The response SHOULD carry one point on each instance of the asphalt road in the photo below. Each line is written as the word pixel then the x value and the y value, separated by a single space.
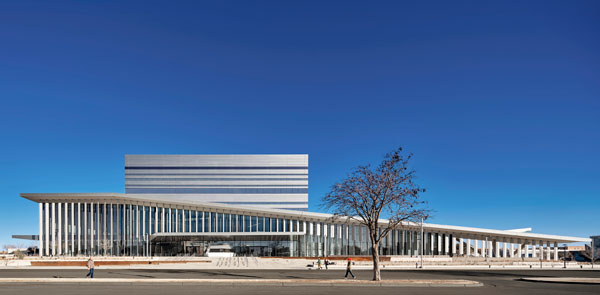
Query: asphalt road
pixel 495 282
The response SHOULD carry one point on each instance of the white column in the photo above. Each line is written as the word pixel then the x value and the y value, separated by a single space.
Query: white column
pixel 548 251
pixel 72 229
pixel 483 248
pixel 453 245
pixel 497 248
pixel 191 217
pixel 183 220
pixel 177 220
pixel 156 219
pixel 555 251
pixel 132 229
pixel 119 232
pixel 112 230
pixel 533 249
pixel 446 244
pixel 489 248
pixel 512 249
pixel 143 221
pixel 137 223
pixel 468 247
pixel 92 231
pixel 461 246
pixel 78 228
pixel 198 221
pixel 66 228
pixel 475 247
pixel 504 249
pixel 162 220
pixel 85 229
pixel 98 226
pixel 519 249
pixel 41 229
pixel 53 229
pixel 170 219
pixel 325 239
pixel 59 223
pixel 47 228
pixel 104 230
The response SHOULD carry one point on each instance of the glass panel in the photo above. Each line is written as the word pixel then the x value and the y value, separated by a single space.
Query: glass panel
pixel 206 220
pixel 233 223
pixel 261 224
pixel 227 220
pixel 254 225
pixel 246 223
pixel 220 222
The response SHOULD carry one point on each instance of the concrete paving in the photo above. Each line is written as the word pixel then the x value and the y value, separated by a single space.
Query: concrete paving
pixel 250 282
pixel 494 282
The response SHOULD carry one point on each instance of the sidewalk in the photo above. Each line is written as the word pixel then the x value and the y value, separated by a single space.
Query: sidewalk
pixel 247 282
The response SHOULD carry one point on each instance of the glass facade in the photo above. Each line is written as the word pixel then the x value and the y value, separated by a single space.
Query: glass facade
pixel 140 230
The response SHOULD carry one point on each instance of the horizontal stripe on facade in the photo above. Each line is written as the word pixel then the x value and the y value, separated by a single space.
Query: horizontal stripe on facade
pixel 132 174
pixel 212 179
pixel 217 190
pixel 266 203
pixel 213 167
pixel 213 185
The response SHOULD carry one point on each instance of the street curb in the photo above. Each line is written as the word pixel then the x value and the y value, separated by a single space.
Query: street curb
pixel 582 281
pixel 245 282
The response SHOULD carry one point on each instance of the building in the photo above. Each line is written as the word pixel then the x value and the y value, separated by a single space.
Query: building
pixel 595 248
pixel 267 181
pixel 160 216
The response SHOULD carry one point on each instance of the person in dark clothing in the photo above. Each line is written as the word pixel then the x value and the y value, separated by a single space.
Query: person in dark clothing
pixel 349 269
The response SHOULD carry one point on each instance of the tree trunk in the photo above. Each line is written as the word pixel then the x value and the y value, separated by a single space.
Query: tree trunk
pixel 375 254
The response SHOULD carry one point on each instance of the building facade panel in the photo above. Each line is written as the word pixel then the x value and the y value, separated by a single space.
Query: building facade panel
pixel 260 180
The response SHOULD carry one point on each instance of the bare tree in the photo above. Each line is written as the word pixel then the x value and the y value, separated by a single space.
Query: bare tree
pixel 386 191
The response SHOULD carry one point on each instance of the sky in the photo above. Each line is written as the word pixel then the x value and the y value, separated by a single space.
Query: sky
pixel 499 101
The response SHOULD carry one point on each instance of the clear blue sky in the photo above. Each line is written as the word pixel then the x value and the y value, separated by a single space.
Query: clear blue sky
pixel 498 100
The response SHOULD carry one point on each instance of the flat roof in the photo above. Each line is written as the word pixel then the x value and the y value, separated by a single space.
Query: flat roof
pixel 188 202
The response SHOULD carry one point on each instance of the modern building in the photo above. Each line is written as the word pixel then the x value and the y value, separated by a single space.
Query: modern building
pixel 595 248
pixel 163 213
pixel 267 181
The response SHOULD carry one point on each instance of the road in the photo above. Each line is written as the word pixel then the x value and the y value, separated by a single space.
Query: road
pixel 495 282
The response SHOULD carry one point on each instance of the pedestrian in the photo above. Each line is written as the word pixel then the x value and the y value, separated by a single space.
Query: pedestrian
pixel 349 269
pixel 319 266
pixel 90 266
pixel 326 264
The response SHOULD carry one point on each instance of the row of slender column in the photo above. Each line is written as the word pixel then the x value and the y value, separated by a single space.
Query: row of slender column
pixel 123 229
pixel 505 248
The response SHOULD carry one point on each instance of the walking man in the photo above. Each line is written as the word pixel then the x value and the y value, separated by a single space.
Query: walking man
pixel 349 269
pixel 90 266
pixel 319 267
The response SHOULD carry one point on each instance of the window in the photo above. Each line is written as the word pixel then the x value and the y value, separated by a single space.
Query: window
pixel 261 227
pixel 246 223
